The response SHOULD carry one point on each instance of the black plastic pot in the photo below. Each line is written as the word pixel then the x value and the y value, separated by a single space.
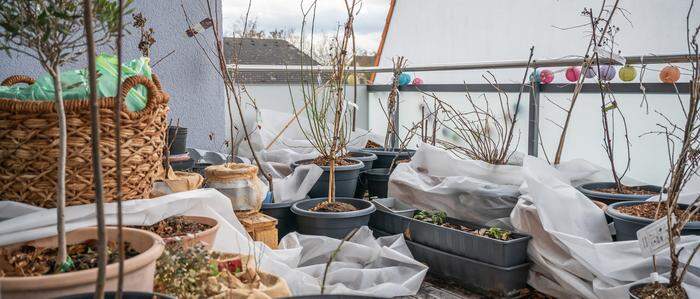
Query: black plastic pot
pixel 177 140
pixel 610 198
pixel 484 278
pixel 626 226
pixel 334 225
pixel 378 182
pixel 346 177
pixel 495 252
pixel 368 160
pixel 385 157
pixel 182 165
pixel 282 211
pixel 125 295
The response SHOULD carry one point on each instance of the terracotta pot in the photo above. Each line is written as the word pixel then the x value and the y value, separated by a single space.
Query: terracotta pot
pixel 139 270
pixel 207 236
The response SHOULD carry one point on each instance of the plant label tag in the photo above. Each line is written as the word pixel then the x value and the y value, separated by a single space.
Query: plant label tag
pixel 653 238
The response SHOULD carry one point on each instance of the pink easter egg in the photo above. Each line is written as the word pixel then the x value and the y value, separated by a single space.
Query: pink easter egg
pixel 573 73
pixel 417 81
pixel 546 76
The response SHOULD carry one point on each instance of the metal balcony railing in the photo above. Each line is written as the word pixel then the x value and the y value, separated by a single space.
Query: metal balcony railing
pixel 534 89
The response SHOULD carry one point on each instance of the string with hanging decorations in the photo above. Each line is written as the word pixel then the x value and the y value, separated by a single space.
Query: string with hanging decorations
pixel 669 74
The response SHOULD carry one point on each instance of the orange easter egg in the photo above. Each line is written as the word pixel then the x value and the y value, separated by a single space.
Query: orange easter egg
pixel 670 74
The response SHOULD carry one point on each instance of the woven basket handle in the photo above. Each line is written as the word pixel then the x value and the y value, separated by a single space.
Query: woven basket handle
pixel 12 80
pixel 153 92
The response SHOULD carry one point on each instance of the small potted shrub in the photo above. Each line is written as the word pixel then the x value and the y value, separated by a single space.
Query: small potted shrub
pixel 679 219
pixel 334 212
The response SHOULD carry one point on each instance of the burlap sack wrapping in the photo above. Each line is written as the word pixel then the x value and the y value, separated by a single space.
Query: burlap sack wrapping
pixel 239 182
pixel 261 286
pixel 177 181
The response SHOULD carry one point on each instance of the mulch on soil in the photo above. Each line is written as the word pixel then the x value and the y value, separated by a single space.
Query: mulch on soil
pixel 175 227
pixel 333 207
pixel 34 261
pixel 648 210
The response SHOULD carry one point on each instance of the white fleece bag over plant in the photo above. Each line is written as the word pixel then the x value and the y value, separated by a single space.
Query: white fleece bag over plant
pixel 470 190
pixel 571 249
pixel 364 265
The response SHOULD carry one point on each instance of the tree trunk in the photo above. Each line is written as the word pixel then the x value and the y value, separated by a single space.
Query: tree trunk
pixel 61 173
pixel 118 153
pixel 96 162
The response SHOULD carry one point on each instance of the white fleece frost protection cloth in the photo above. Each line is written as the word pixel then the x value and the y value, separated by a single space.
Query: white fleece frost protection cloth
pixel 364 266
pixel 571 249
pixel 470 190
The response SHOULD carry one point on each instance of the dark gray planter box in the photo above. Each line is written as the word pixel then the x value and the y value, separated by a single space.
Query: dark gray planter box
pixel 496 252
pixel 484 278
pixel 346 177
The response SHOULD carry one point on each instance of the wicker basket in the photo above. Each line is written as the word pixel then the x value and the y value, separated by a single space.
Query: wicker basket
pixel 29 147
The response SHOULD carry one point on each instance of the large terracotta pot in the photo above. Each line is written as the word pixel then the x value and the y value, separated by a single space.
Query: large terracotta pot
pixel 207 236
pixel 139 270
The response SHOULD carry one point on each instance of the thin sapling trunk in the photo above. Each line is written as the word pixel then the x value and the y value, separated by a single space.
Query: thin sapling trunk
pixel 61 173
pixel 96 162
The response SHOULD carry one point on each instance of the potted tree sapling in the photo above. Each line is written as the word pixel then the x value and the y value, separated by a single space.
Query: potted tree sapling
pixel 599 62
pixel 55 33
pixel 674 217
pixel 391 151
pixel 334 213
pixel 631 216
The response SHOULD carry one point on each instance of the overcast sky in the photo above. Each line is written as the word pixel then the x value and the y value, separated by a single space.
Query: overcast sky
pixel 286 14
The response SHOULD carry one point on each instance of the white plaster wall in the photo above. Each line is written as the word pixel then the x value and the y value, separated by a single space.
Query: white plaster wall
pixel 196 96
pixel 455 31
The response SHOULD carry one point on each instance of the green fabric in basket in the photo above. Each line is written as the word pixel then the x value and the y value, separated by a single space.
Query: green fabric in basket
pixel 75 83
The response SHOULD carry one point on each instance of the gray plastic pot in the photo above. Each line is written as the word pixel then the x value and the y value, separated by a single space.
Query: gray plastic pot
pixel 637 286
pixel 366 158
pixel 346 177
pixel 484 278
pixel 334 225
pixel 385 157
pixel 626 226
pixel 282 211
pixel 609 198
pixel 377 182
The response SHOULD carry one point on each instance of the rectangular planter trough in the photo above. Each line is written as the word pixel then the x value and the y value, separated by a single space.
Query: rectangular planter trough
pixel 495 252
pixel 484 278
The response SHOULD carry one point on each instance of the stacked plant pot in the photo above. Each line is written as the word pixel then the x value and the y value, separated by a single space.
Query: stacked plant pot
pixel 377 178
pixel 489 266
pixel 177 148
pixel 368 160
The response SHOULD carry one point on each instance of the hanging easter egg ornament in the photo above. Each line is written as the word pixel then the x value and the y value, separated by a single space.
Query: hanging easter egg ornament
pixel 627 73
pixel 417 81
pixel 546 76
pixel 573 73
pixel 535 76
pixel 404 79
pixel 590 73
pixel 670 74
pixel 607 72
